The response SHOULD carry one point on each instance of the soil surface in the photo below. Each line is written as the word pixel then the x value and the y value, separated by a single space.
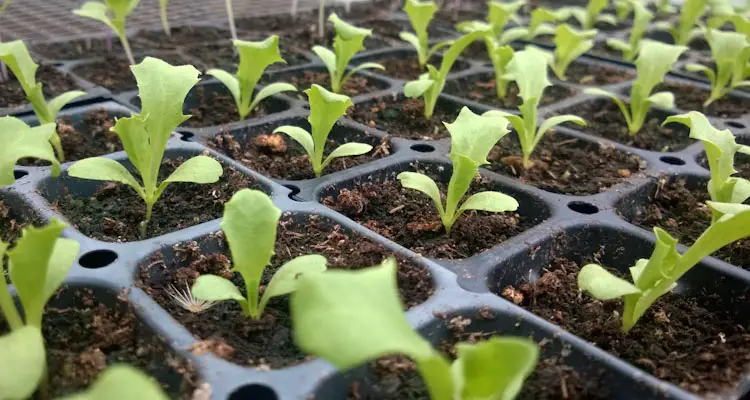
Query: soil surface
pixel 85 337
pixel 410 218
pixel 114 72
pixel 54 83
pixel 681 210
pixel 482 89
pixel 596 74
pixel 404 117
pixel 12 222
pixel 186 35
pixel 692 342
pixel 89 138
pixel 604 119
pixel 406 67
pixel 279 157
pixel 267 342
pixel 565 165
pixel 83 49
pixel 210 107
pixel 221 55
pixel 688 97
pixel 392 29
pixel 353 86
pixel 115 211
pixel 396 377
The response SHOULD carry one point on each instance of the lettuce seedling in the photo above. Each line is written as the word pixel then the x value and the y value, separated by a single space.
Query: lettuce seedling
pixel 730 52
pixel 16 56
pixel 255 57
pixel 720 147
pixel 472 138
pixel 688 26
pixel 539 25
pixel 121 9
pixel 349 41
pixel 501 57
pixel 162 90
pixel 420 14
pixel 528 69
pixel 249 225
pixel 655 60
pixel 500 14
pixel 587 17
pixel 641 18
pixel 664 7
pixel 656 276
pixel 351 317
pixel 432 83
pixel 623 8
pixel 164 17
pixel 325 109
pixel 569 45
pixel 20 141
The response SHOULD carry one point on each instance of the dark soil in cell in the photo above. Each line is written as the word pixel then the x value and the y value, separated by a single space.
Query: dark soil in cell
pixel 221 55
pixel 186 35
pixel 114 212
pixel 604 119
pixel 304 36
pixel 84 338
pixel 84 49
pixel 482 89
pixel 681 210
pixel 277 156
pixel 89 138
pixel 565 165
pixel 267 342
pixel 602 50
pixel 212 108
pixel 688 97
pixel 54 83
pixel 404 117
pixel 12 222
pixel 688 341
pixel 396 377
pixel 392 29
pixel 114 72
pixel 596 74
pixel 354 86
pixel 407 68
pixel 410 218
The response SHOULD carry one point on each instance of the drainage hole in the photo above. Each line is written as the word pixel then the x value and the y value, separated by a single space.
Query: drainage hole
pixel 295 191
pixel 186 136
pixel 735 124
pixel 97 259
pixel 422 148
pixel 18 174
pixel 253 392
pixel 583 207
pixel 672 160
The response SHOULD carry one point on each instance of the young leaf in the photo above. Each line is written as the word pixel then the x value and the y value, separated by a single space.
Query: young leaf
pixel 730 51
pixel 120 9
pixel 472 138
pixel 686 29
pixel 164 17
pixel 23 362
pixel 501 13
pixel 641 19
pixel 21 141
pixel 325 109
pixel 500 57
pixel 249 225
pixel 420 14
pixel 162 90
pixel 122 382
pixel 655 60
pixel 587 17
pixel 255 57
pixel 569 45
pixel 348 42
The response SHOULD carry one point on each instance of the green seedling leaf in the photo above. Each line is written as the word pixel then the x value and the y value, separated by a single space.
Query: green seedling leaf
pixel 23 362
pixel 21 141
pixel 641 19
pixel 602 284
pixel 249 225
pixel 685 31
pixel 420 15
pixel 730 51
pixel 348 42
pixel 144 136
pixel 472 138
pixel 325 109
pixel 664 6
pixel 500 13
pixel 589 16
pixel 569 45
pixel 255 57
pixel 113 14
pixel 500 57
pixel 163 16
pixel 122 382
pixel 655 60
pixel 351 317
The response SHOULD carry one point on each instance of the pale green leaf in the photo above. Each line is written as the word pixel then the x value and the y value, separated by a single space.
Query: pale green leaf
pixel 122 382
pixel 620 104
pixel 424 184
pixel 96 11
pixel 104 169
pixel 16 57
pixel 347 150
pixel 328 57
pixel 56 104
pixel 23 363
pixel 662 99
pixel 360 67
pixel 271 90
pixel 122 8
pixel 602 285
pixel 413 40
pixel 420 14
pixel 417 88
pixel 230 81
pixel 552 122
pixel 301 136
pixel 474 135
pixel 286 279
pixel 20 141
pixel 215 288
pixel 654 61
pixel 198 169
pixel 618 45
pixel 490 201
pixel 529 70
pixel 325 109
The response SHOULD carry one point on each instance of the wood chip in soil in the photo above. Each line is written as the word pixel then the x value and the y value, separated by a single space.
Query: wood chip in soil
pixel 681 210
pixel 693 342
pixel 397 377
pixel 266 343
pixel 278 157
pixel 604 119
pixel 688 97
pixel 410 218
pixel 96 329
pixel 482 88
pixel 354 86
pixel 404 117
pixel 596 74
pixel 565 165
pixel 114 212
pixel 53 82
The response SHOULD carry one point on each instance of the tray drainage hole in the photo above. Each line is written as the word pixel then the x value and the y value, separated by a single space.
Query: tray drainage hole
pixel 253 392
pixel 186 136
pixel 18 174
pixel 422 148
pixel 583 207
pixel 735 124
pixel 295 191
pixel 97 259
pixel 672 160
